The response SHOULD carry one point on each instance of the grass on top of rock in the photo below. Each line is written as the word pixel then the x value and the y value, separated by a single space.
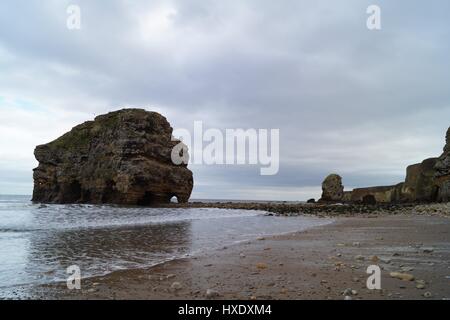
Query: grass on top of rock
pixel 81 135
pixel 77 138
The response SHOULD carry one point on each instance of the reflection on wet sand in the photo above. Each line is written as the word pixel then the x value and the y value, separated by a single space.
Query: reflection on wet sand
pixel 97 251
pixel 39 242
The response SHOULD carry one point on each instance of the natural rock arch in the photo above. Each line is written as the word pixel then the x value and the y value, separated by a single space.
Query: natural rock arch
pixel 369 199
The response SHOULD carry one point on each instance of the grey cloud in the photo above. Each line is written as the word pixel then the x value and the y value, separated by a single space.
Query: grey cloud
pixel 345 99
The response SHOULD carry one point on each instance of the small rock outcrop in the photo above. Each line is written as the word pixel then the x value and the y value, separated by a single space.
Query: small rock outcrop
pixel 123 157
pixel 442 174
pixel 332 188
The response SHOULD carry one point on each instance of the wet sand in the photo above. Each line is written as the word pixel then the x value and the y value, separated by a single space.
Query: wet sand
pixel 320 263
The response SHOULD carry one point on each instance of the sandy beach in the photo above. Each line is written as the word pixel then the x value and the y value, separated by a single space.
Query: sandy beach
pixel 327 262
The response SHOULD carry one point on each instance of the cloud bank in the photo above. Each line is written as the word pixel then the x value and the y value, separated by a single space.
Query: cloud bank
pixel 346 99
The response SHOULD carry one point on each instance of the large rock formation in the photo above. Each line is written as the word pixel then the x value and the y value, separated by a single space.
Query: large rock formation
pixel 427 181
pixel 332 188
pixel 123 157
pixel 442 175
pixel 419 183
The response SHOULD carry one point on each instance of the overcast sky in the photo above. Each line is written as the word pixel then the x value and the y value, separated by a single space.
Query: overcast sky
pixel 362 103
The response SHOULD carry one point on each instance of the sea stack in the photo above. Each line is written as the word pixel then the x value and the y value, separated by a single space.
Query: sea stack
pixel 123 157
pixel 332 188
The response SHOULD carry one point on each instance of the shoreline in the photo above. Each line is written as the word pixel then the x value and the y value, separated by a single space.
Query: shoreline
pixel 326 209
pixel 297 208
pixel 318 263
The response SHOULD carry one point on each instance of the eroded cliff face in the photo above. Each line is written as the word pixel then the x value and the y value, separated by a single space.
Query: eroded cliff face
pixel 428 181
pixel 122 157
pixel 442 175
pixel 419 183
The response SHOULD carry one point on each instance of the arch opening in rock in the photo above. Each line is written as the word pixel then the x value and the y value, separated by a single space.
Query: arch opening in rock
pixel 72 192
pixel 108 192
pixel 151 198
pixel 147 199
pixel 86 196
pixel 369 199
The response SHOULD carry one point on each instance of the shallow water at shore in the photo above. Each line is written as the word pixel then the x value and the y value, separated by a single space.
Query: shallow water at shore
pixel 39 242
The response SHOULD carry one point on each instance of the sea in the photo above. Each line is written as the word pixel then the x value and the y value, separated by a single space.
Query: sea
pixel 38 242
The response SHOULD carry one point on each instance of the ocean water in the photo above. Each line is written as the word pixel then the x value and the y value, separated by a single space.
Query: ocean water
pixel 38 242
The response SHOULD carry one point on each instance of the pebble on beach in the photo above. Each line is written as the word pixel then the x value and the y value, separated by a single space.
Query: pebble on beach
pixel 176 286
pixel 211 294
pixel 402 276
pixel 420 286
pixel 359 257
pixel 261 266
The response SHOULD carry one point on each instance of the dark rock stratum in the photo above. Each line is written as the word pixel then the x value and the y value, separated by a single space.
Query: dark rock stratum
pixel 123 157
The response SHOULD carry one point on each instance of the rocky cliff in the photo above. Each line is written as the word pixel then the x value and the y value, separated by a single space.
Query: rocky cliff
pixel 442 175
pixel 427 181
pixel 419 184
pixel 122 157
